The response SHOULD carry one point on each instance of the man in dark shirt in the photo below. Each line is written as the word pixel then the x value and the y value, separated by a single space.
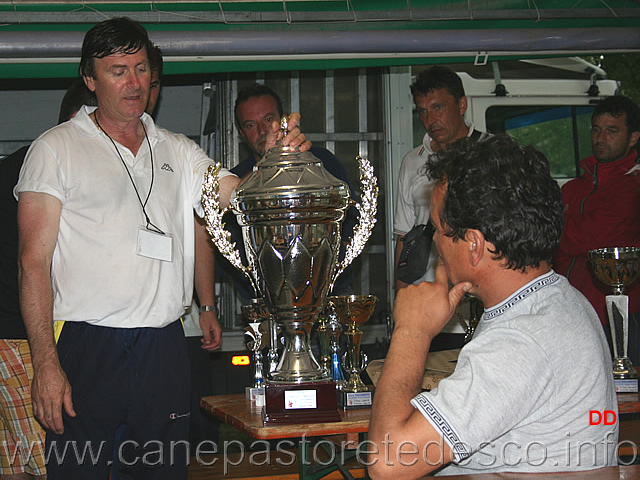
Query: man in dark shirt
pixel 256 106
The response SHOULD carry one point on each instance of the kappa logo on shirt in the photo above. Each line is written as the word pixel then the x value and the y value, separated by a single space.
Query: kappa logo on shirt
pixel 166 167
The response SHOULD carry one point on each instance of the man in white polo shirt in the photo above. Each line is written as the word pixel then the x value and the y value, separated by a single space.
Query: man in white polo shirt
pixel 106 225
pixel 441 103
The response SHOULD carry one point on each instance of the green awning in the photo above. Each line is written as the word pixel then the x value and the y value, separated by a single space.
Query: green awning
pixel 43 39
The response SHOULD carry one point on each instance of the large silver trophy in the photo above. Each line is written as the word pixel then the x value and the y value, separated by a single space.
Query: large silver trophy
pixel 618 267
pixel 291 212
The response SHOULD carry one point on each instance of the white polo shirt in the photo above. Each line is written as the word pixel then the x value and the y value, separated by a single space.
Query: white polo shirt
pixel 97 275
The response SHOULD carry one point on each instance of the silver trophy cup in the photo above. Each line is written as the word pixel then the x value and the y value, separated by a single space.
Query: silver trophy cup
pixel 618 267
pixel 291 211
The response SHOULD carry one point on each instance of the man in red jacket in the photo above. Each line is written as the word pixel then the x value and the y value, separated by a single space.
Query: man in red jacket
pixel 602 208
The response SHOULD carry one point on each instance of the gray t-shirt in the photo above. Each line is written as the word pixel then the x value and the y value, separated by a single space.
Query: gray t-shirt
pixel 520 396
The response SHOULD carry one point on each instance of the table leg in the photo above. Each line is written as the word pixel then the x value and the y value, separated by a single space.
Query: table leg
pixel 339 457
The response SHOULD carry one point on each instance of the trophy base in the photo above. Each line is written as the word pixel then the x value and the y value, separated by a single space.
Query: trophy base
pixel 255 395
pixel 287 404
pixel 355 400
pixel 626 385
pixel 625 376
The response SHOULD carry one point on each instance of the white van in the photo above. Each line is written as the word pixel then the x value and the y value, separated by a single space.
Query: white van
pixel 546 103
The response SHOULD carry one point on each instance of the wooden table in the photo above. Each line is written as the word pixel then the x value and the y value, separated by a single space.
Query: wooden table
pixel 631 472
pixel 628 409
pixel 628 403
pixel 237 411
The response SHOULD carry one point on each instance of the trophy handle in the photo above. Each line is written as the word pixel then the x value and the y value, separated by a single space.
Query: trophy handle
pixel 219 235
pixel 367 209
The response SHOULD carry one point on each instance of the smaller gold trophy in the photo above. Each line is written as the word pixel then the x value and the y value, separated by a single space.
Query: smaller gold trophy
pixel 353 311
pixel 618 267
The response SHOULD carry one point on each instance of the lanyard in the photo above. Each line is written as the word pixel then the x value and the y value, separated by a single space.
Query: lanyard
pixel 150 225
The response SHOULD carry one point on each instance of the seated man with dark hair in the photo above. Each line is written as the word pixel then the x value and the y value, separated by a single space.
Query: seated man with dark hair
pixel 520 396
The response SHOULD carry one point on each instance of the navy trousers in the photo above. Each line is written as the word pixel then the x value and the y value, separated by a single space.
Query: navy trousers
pixel 131 394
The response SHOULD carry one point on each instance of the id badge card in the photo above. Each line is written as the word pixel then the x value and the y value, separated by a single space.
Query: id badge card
pixel 155 245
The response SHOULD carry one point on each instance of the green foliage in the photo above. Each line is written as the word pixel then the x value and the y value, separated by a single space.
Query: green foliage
pixel 555 140
pixel 550 129
pixel 624 67
pixel 551 139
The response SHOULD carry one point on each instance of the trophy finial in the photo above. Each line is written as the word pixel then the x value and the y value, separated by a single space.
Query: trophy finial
pixel 284 124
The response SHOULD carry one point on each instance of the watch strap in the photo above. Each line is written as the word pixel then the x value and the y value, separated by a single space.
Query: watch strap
pixel 209 308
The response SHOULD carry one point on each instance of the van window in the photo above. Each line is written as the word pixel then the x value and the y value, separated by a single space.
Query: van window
pixel 561 133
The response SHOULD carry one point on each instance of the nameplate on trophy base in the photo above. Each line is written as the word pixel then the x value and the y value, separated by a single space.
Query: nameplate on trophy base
pixel 627 385
pixel 354 400
pixel 310 402
pixel 255 395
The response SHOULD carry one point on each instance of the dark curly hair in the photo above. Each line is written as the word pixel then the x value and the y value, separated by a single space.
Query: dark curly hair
pixel 116 35
pixel 505 191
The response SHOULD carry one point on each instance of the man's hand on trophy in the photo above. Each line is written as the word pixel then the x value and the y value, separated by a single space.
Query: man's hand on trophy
pixel 295 138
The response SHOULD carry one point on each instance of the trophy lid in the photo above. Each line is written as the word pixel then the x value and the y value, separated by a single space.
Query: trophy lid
pixel 288 183
pixel 288 171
